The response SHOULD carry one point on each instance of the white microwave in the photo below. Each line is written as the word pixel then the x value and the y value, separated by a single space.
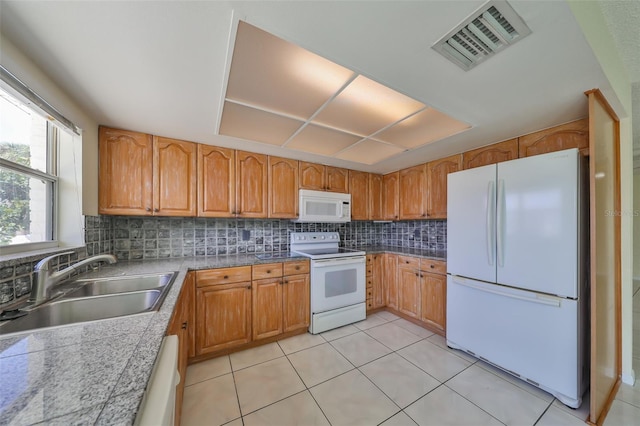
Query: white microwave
pixel 319 206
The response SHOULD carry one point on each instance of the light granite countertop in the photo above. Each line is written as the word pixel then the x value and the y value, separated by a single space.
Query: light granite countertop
pixel 97 372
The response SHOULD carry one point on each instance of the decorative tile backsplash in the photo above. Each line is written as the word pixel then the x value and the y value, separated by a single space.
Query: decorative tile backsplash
pixel 130 238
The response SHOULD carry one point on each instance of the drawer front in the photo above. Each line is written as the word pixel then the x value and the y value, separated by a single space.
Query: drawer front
pixel 223 276
pixel 297 267
pixel 268 270
pixel 433 266
pixel 412 262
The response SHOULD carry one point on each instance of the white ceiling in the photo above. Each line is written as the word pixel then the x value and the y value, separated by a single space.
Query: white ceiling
pixel 160 67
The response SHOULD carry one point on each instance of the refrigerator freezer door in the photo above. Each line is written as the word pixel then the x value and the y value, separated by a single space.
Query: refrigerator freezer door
pixel 537 223
pixel 471 202
pixel 532 335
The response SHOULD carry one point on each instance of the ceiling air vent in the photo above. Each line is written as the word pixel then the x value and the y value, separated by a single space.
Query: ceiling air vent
pixel 485 32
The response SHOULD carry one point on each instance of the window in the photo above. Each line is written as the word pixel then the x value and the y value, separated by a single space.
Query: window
pixel 28 175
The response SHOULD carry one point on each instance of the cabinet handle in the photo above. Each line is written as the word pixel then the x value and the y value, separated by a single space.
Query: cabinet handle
pixel 156 210
pixel 148 209
pixel 248 287
pixel 226 277
pixel 417 275
pixel 268 271
pixel 297 268
pixel 286 281
pixel 432 266
pixel 184 326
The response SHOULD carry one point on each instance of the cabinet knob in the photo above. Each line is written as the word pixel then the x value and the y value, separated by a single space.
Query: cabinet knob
pixel 432 266
pixel 297 268
pixel 248 287
pixel 184 326
pixel 226 277
pixel 417 275
pixel 156 210
pixel 148 209
pixel 268 271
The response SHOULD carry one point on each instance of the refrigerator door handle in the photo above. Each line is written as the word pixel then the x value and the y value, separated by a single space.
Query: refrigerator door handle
pixel 540 299
pixel 500 223
pixel 491 221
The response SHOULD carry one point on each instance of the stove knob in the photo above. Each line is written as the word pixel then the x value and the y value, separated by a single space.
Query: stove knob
pixel 322 238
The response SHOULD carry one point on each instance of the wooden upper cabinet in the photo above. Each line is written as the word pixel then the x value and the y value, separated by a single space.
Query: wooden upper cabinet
pixel 492 154
pixel 312 176
pixel 216 181
pixel 323 178
pixel 359 184
pixel 376 197
pixel 437 172
pixel 174 177
pixel 337 179
pixel 391 190
pixel 251 184
pixel 125 172
pixel 413 192
pixel 283 188
pixel 570 135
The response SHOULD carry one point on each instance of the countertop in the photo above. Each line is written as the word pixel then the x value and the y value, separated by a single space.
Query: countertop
pixel 97 372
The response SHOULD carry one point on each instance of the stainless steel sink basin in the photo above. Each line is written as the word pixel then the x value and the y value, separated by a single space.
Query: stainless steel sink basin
pixel 96 299
pixel 111 285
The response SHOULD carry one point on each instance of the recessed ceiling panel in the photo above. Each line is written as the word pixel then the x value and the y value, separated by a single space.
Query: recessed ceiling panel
pixel 271 73
pixel 255 125
pixel 425 127
pixel 364 107
pixel 320 140
pixel 369 152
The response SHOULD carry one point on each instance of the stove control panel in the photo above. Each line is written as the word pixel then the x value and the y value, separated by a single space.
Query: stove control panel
pixel 311 237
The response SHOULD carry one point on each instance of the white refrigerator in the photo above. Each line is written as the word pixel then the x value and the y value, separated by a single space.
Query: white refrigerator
pixel 517 285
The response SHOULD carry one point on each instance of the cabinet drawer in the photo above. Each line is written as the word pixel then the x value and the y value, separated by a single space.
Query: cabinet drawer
pixel 268 270
pixel 412 262
pixel 433 266
pixel 297 267
pixel 223 276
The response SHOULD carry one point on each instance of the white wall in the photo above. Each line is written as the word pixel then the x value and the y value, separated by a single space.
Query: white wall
pixel 589 16
pixel 23 68
pixel 636 227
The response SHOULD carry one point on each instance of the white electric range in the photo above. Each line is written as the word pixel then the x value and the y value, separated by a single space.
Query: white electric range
pixel 338 280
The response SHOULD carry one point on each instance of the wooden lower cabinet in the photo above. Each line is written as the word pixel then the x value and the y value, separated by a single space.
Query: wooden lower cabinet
pixel 223 311
pixel 267 306
pixel 390 269
pixel 296 297
pixel 409 291
pixel 379 284
pixel 434 303
pixel 180 325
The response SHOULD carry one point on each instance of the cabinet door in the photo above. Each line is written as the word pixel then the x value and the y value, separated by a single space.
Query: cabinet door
pixel 125 184
pixel 390 188
pixel 437 172
pixel 251 184
pixel 413 192
pixel 379 285
pixel 337 179
pixel 174 177
pixel 267 307
pixel 375 197
pixel 391 279
pixel 216 181
pixel 359 186
pixel 492 154
pixel 223 316
pixel 283 188
pixel 409 292
pixel 434 300
pixel 312 176
pixel 295 302
pixel 570 135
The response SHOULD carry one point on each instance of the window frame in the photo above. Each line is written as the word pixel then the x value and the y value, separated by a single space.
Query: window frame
pixel 51 179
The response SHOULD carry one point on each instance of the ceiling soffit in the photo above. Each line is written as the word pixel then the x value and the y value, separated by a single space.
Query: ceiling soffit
pixel 281 94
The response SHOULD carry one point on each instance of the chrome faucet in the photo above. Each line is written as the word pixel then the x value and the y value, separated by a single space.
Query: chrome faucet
pixel 45 278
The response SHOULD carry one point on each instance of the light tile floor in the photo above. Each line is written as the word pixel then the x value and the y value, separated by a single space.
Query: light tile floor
pixel 384 370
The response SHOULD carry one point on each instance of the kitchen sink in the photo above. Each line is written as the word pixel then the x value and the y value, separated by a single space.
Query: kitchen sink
pixel 111 285
pixel 96 299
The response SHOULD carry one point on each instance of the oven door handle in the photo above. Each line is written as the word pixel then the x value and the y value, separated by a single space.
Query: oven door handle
pixel 340 261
